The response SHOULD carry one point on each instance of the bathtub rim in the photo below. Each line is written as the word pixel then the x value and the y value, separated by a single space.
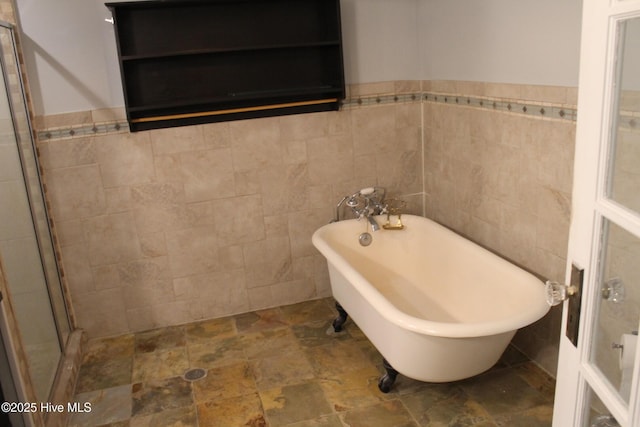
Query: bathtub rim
pixel 422 326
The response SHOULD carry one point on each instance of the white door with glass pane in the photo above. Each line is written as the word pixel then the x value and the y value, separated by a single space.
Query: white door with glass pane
pixel 597 381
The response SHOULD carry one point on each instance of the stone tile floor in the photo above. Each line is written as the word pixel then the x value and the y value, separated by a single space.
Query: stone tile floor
pixel 281 367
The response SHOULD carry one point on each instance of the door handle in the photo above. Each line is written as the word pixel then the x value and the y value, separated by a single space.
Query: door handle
pixel 558 292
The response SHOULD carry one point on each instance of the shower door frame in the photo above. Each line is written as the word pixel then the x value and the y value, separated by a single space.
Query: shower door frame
pixel 22 374
pixel 59 310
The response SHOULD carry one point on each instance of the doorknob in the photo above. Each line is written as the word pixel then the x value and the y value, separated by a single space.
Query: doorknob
pixel 558 292
pixel 613 290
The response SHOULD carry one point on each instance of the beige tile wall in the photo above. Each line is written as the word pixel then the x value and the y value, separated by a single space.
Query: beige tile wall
pixel 504 180
pixel 171 226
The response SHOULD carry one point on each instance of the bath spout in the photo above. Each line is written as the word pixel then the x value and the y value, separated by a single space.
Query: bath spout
pixel 373 222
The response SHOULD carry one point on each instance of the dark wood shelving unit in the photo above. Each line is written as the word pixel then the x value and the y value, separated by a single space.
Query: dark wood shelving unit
pixel 197 61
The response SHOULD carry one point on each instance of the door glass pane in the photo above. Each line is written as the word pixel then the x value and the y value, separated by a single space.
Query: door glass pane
pixel 597 414
pixel 624 168
pixel 617 319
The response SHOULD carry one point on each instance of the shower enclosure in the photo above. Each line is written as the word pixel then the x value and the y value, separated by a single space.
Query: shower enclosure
pixel 27 258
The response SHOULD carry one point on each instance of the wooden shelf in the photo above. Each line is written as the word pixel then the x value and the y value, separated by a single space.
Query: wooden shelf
pixel 228 50
pixel 213 60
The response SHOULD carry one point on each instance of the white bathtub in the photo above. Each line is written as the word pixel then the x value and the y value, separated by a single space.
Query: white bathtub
pixel 437 307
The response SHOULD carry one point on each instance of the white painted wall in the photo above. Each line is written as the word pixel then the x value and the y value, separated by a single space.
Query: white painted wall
pixel 631 60
pixel 380 39
pixel 71 56
pixel 501 41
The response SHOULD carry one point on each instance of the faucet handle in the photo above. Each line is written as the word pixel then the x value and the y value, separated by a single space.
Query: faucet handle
pixel 367 191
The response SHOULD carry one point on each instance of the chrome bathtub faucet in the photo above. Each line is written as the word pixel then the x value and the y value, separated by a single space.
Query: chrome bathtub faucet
pixel 372 221
pixel 365 203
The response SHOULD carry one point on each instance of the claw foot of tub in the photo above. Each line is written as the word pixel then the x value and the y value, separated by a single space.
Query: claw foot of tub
pixel 341 319
pixel 387 380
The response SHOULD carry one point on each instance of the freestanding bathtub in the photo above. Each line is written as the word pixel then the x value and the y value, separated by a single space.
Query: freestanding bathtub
pixel 437 306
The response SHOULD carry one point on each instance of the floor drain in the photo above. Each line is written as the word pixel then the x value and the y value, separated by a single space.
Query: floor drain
pixel 195 374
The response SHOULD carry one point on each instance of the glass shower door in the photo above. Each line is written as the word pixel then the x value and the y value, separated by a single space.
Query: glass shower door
pixel 26 249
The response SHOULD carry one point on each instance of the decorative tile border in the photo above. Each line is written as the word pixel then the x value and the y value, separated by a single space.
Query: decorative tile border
pixel 82 131
pixel 533 109
pixel 629 121
pixel 541 110
pixel 364 101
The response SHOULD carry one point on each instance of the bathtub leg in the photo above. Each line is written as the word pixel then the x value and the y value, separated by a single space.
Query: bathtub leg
pixel 339 321
pixel 387 380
